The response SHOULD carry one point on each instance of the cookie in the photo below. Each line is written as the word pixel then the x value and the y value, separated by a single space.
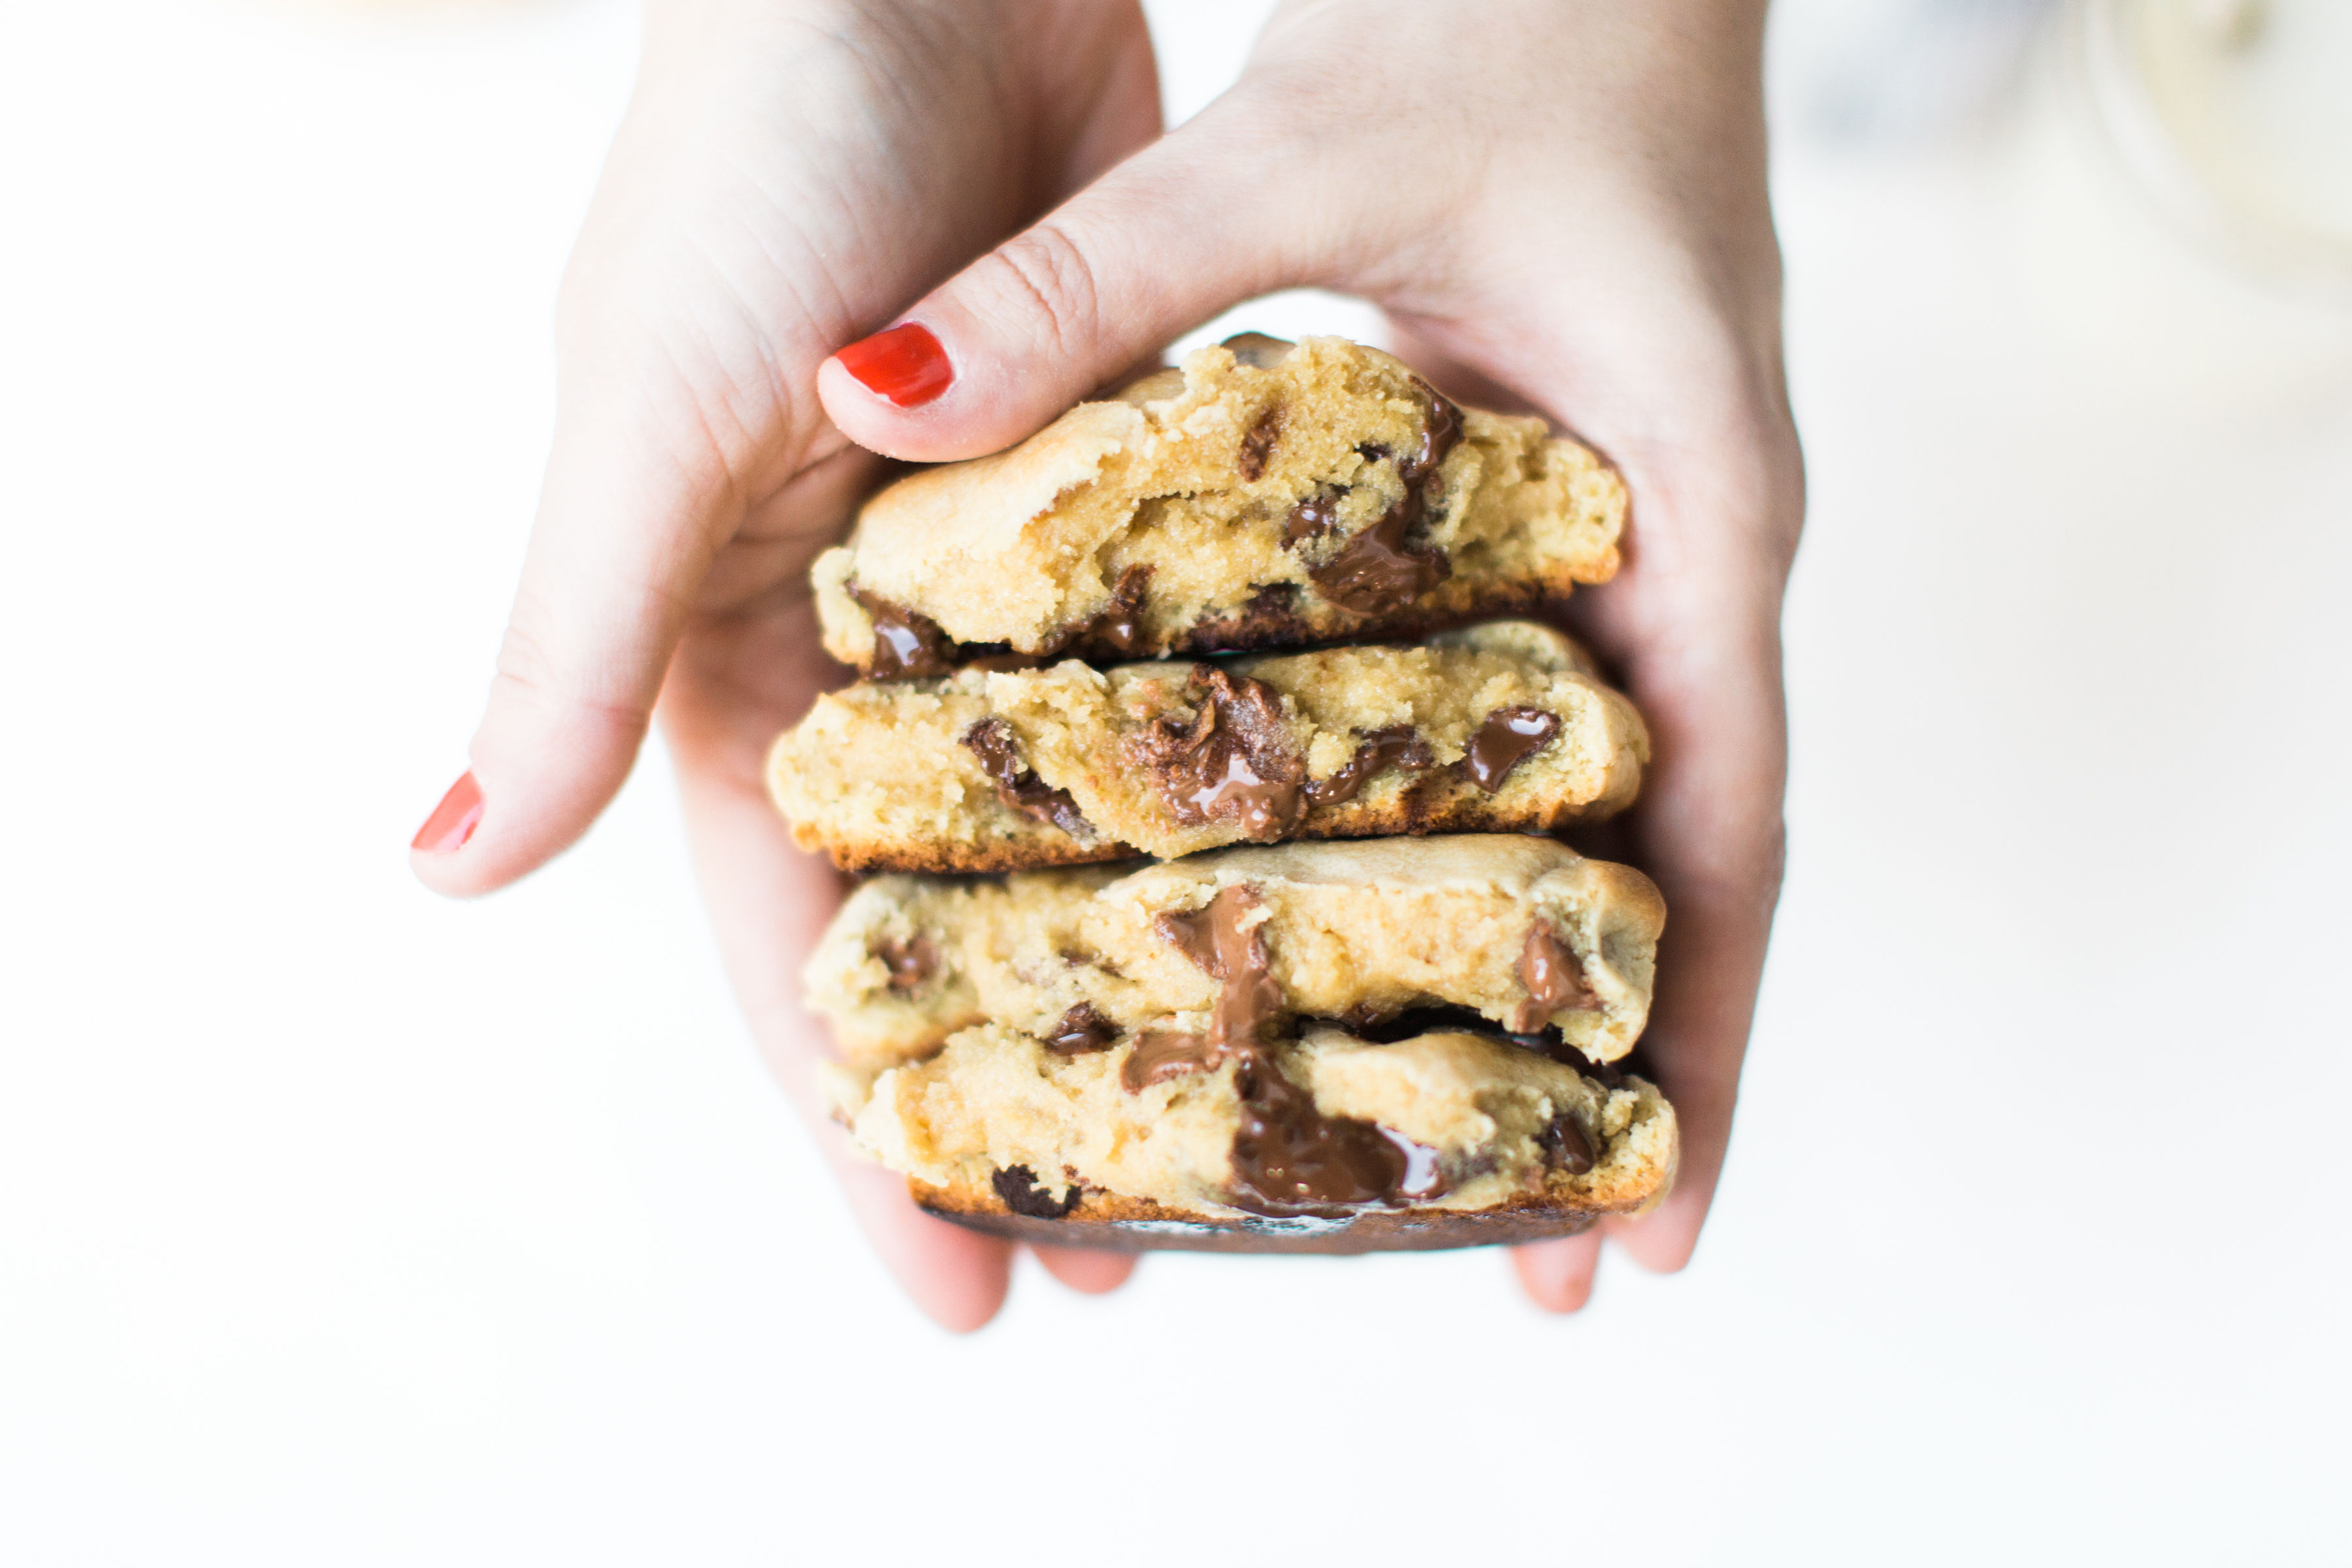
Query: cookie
pixel 1516 933
pixel 1266 495
pixel 1500 728
pixel 1323 1142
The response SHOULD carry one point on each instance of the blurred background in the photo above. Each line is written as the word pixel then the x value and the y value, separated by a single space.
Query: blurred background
pixel 339 1224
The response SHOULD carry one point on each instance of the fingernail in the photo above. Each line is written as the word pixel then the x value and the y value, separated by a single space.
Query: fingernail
pixel 453 820
pixel 905 364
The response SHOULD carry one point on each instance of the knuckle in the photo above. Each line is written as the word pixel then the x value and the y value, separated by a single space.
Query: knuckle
pixel 1050 273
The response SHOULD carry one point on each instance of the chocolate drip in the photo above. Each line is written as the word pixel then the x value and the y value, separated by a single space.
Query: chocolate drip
pixel 1259 444
pixel 910 962
pixel 1289 1158
pixel 1399 746
pixel 1017 1186
pixel 906 645
pixel 1566 1145
pixel 1235 759
pixel 1377 569
pixel 1553 976
pixel 1081 1032
pixel 1508 737
pixel 991 740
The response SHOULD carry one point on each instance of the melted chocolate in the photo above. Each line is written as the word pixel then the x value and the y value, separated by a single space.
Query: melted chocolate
pixel 1166 1053
pixel 1554 979
pixel 1017 1186
pixel 1508 737
pixel 1566 1145
pixel 910 962
pixel 906 645
pixel 1289 1158
pixel 991 740
pixel 1399 746
pixel 1312 517
pixel 1118 625
pixel 1234 760
pixel 1259 444
pixel 1377 569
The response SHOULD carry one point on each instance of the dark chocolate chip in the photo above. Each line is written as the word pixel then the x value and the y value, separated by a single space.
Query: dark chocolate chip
pixel 1165 1053
pixel 1268 618
pixel 1117 626
pixel 1250 999
pixel 1017 1186
pixel 1378 568
pixel 1400 746
pixel 1081 1031
pixel 1290 1158
pixel 1554 977
pixel 1508 737
pixel 906 645
pixel 1234 760
pixel 991 740
pixel 1257 445
pixel 910 962
pixel 1566 1145
pixel 1312 517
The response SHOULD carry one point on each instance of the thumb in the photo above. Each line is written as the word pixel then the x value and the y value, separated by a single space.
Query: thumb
pixel 1161 243
pixel 629 518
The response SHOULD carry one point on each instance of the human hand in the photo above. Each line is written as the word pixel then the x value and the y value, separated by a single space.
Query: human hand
pixel 790 172
pixel 1555 203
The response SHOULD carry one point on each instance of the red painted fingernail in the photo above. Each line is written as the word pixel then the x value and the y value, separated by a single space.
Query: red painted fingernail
pixel 453 820
pixel 905 364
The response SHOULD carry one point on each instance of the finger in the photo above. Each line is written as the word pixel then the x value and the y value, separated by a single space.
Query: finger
pixel 768 904
pixel 1088 1272
pixel 1164 241
pixel 639 493
pixel 1557 1274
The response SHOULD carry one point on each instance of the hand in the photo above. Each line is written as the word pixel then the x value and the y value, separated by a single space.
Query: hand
pixel 1560 203
pixel 790 172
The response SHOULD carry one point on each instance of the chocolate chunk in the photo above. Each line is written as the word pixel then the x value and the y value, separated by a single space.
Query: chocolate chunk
pixel 1259 350
pixel 1312 517
pixel 1566 1145
pixel 1214 940
pixel 991 740
pixel 1608 1075
pixel 1234 761
pixel 1554 979
pixel 1017 1186
pixel 1257 445
pixel 1290 1158
pixel 1081 1032
pixel 905 643
pixel 1508 737
pixel 910 962
pixel 1377 569
pixel 1399 746
pixel 1117 626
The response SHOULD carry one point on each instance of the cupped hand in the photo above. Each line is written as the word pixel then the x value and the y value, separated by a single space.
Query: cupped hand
pixel 1558 204
pixel 790 172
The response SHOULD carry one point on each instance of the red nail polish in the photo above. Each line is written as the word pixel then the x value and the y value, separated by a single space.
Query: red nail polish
pixel 905 364
pixel 453 820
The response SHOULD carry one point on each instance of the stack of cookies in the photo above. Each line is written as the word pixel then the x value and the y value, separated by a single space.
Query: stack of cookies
pixel 1338 995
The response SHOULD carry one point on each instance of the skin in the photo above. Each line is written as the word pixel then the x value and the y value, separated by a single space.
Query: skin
pixel 1562 208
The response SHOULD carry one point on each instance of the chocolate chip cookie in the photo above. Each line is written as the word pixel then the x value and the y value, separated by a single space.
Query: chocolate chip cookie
pixel 1498 728
pixel 1258 1140
pixel 1510 932
pixel 1265 495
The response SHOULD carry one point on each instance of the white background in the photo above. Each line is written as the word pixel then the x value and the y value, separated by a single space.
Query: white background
pixel 341 1225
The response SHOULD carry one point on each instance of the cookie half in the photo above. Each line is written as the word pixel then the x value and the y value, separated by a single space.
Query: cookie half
pixel 1500 728
pixel 1265 495
pixel 1520 931
pixel 1326 1143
